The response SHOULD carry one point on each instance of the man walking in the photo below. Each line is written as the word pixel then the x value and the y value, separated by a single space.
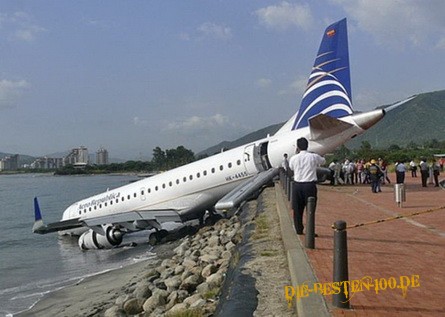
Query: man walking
pixel 304 164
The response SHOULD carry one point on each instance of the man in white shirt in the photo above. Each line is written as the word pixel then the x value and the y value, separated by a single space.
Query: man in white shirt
pixel 304 164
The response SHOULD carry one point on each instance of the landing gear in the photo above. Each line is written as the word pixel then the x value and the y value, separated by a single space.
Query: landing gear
pixel 212 218
pixel 157 236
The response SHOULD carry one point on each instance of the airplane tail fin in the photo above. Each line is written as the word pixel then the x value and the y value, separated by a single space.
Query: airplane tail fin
pixel 328 90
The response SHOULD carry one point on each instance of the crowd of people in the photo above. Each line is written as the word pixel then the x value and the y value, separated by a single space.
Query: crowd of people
pixel 302 169
pixel 375 172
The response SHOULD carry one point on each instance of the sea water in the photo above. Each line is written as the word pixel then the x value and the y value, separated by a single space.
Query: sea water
pixel 33 265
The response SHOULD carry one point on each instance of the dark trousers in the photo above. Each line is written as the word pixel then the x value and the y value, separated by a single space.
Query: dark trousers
pixel 400 177
pixel 302 191
pixel 424 174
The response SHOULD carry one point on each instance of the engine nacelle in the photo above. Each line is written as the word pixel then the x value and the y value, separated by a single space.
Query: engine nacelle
pixel 93 240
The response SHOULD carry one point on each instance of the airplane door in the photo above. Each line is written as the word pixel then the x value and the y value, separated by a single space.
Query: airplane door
pixel 249 159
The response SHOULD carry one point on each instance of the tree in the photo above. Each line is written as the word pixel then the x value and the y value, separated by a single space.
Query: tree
pixel 159 158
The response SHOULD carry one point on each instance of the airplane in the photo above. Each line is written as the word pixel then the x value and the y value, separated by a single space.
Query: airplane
pixel 225 180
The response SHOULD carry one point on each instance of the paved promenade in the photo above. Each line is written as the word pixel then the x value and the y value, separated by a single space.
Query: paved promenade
pixel 403 247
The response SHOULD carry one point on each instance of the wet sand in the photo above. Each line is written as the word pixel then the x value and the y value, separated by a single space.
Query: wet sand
pixel 93 295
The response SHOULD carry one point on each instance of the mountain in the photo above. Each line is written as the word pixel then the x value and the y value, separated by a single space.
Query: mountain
pixel 259 134
pixel 419 120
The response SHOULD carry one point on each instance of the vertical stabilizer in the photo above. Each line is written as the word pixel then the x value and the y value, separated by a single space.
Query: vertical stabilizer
pixel 328 90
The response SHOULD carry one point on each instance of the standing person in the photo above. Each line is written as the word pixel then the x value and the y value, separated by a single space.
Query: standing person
pixel 375 174
pixel 413 168
pixel 285 164
pixel 384 169
pixel 400 172
pixel 332 169
pixel 358 175
pixel 424 171
pixel 304 164
pixel 436 172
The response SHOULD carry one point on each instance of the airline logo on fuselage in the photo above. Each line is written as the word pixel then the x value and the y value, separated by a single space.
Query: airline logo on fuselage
pixel 101 200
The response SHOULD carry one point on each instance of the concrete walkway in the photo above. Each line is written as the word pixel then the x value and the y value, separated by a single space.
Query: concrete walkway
pixel 409 247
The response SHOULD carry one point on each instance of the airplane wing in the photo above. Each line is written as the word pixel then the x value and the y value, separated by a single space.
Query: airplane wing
pixel 322 126
pixel 165 212
pixel 245 190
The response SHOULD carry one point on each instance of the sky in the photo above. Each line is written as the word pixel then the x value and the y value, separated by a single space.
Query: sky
pixel 133 75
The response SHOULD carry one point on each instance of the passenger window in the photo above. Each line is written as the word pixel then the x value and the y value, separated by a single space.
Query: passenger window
pixel 149 190
pixel 213 170
pixel 177 181
pixel 184 179
pixel 170 184
pixel 128 197
pixel 238 162
pixel 123 198
pixel 230 165
pixel 198 175
pixel 142 193
pixel 205 173
pixel 221 167
pixel 134 195
pixel 163 185
pixel 156 188
pixel 191 177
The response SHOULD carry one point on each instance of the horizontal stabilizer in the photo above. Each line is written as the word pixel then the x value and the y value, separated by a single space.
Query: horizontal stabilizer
pixel 323 126
pixel 39 226
pixel 243 191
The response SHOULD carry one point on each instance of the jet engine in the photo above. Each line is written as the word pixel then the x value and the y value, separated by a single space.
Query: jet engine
pixel 93 240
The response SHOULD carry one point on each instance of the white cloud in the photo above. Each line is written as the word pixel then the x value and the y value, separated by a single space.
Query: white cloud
pixel 263 82
pixel 285 15
pixel 10 91
pixel 19 26
pixel 295 88
pixel 398 23
pixel 196 123
pixel 214 31
pixel 139 122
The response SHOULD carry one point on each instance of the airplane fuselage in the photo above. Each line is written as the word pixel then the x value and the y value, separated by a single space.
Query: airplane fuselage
pixel 186 191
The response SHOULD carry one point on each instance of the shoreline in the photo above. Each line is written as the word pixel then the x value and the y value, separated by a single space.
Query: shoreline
pixel 90 295
pixel 94 294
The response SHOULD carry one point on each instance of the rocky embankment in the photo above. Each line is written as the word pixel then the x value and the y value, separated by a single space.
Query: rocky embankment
pixel 189 281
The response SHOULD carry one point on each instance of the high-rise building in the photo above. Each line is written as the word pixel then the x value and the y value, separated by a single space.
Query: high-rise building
pixel 77 157
pixel 9 163
pixel 102 156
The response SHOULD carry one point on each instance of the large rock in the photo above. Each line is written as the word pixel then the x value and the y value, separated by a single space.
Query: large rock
pixel 208 270
pixel 142 290
pixel 189 263
pixel 114 311
pixel 203 288
pixel 133 306
pixel 173 283
pixel 215 280
pixel 190 300
pixel 156 299
pixel 213 241
pixel 181 307
pixel 190 283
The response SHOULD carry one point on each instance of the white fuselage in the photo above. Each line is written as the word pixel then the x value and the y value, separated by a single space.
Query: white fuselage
pixel 199 185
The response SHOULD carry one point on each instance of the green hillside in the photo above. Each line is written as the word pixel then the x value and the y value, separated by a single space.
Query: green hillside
pixel 417 121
